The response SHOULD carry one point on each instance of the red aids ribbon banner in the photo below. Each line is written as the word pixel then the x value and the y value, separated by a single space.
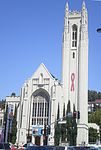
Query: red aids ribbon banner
pixel 72 80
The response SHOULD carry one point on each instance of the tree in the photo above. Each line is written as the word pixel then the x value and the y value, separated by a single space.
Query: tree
pixel 14 127
pixel 68 108
pixel 5 121
pixel 93 135
pixel 68 123
pixel 74 128
pixel 13 94
pixel 93 95
pixel 57 128
pixel 63 127
pixel 94 117
pixel 99 95
pixel 2 104
pixel 71 126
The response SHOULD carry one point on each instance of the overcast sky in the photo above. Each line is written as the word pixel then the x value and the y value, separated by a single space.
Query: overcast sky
pixel 31 33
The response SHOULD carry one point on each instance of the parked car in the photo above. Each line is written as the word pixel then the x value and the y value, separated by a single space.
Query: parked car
pixel 4 146
pixel 61 148
pixel 26 145
pixel 82 147
pixel 47 147
pixel 13 147
pixel 34 147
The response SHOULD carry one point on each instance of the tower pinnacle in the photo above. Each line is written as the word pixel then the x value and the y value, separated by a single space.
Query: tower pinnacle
pixel 83 5
pixel 66 7
pixel 66 15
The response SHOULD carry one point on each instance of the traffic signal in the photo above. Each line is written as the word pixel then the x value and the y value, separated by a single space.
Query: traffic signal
pixel 41 131
pixel 48 130
pixel 44 129
pixel 74 114
pixel 35 131
pixel 78 115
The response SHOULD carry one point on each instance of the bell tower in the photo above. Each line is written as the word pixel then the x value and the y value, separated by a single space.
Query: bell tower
pixel 75 66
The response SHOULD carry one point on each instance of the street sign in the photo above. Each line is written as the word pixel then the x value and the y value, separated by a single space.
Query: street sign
pixel 37 130
pixel 69 114
pixel 62 122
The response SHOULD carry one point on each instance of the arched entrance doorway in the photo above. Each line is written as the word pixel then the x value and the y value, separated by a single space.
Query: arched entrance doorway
pixel 40 114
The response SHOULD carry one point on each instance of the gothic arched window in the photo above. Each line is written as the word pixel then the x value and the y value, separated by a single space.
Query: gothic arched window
pixel 40 111
pixel 74 36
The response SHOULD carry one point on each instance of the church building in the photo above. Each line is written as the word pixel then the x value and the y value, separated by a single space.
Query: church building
pixel 40 95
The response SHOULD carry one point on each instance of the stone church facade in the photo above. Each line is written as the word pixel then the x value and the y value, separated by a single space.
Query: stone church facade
pixel 41 94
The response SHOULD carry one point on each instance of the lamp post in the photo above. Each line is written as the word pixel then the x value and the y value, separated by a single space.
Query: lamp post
pixel 99 30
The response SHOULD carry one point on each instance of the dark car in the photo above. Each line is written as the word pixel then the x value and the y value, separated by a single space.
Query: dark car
pixel 82 147
pixel 4 146
pixel 59 147
pixel 47 147
pixel 35 147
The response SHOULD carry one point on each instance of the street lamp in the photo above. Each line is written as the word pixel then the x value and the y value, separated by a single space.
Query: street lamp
pixel 99 30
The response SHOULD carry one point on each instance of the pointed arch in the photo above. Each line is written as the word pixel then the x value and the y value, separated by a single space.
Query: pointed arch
pixel 40 107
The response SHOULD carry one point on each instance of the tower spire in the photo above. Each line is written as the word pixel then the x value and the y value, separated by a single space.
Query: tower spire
pixel 66 8
pixel 66 14
pixel 84 13
pixel 83 5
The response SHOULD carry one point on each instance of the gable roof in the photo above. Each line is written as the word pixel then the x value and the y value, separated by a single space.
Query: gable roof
pixel 42 66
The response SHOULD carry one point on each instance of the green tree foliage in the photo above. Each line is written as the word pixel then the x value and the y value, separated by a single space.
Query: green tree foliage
pixel 5 120
pixel 67 132
pixel 94 117
pixel 99 95
pixel 68 108
pixel 74 129
pixel 57 128
pixel 14 127
pixel 93 95
pixel 71 126
pixel 64 112
pixel 63 126
pixel 93 135
pixel 2 104
pixel 13 94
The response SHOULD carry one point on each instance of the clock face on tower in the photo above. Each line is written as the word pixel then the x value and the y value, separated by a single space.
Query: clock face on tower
pixel 72 81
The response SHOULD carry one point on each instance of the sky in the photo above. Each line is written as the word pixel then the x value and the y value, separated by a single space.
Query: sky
pixel 31 34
